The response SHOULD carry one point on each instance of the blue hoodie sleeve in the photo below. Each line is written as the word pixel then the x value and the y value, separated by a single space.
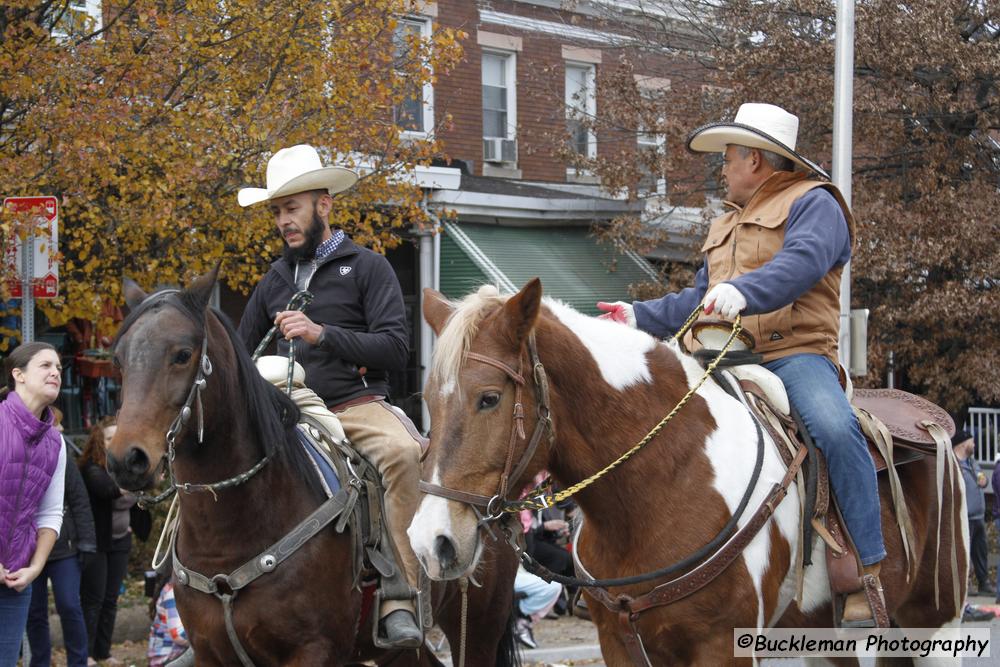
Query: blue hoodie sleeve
pixel 816 241
pixel 664 316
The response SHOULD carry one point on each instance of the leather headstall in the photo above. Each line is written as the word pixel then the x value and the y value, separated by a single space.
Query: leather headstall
pixel 494 506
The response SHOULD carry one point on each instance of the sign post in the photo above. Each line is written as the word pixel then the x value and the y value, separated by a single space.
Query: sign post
pixel 32 263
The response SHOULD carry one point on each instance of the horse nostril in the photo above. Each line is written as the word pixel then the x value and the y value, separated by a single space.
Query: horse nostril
pixel 444 549
pixel 136 461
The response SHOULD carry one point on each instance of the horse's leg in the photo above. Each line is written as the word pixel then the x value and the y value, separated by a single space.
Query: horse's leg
pixel 831 662
pixel 489 624
pixel 893 662
pixel 314 653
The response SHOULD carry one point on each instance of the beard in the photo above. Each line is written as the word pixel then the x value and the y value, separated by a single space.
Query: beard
pixel 313 237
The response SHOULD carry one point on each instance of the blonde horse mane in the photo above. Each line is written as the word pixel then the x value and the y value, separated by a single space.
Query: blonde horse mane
pixel 462 326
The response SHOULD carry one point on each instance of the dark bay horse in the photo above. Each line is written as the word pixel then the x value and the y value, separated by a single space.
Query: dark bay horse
pixel 305 611
pixel 607 385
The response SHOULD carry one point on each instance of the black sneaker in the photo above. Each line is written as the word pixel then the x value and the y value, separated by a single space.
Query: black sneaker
pixel 973 614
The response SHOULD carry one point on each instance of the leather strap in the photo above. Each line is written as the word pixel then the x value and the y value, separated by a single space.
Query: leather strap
pixel 454 494
pixel 632 639
pixel 876 600
pixel 263 563
pixel 628 609
pixel 497 504
pixel 269 559
pixel 360 400
pixel 702 575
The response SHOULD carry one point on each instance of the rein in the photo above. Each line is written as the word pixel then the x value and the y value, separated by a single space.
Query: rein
pixel 712 559
pixel 498 505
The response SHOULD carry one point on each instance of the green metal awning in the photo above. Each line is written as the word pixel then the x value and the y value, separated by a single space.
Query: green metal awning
pixel 572 266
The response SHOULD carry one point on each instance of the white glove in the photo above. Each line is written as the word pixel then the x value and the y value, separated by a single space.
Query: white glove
pixel 725 301
pixel 619 311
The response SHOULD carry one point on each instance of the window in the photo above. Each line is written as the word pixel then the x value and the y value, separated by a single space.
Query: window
pixel 499 107
pixel 714 100
pixel 78 17
pixel 651 145
pixel 415 114
pixel 581 107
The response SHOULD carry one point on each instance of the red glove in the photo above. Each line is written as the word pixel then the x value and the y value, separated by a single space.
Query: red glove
pixel 619 311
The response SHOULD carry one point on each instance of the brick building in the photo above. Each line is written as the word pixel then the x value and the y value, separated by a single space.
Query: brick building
pixel 515 115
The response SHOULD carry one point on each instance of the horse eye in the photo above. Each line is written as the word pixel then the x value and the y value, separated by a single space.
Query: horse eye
pixel 116 362
pixel 489 400
pixel 182 357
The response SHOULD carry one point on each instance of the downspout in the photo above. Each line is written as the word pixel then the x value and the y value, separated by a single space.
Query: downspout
pixel 430 276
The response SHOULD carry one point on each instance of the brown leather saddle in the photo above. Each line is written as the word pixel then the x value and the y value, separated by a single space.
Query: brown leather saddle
pixel 906 416
pixel 908 419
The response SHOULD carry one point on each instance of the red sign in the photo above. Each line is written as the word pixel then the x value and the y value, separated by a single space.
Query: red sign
pixel 45 278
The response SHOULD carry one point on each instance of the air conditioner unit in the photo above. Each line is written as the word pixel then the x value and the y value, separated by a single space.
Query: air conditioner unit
pixel 499 150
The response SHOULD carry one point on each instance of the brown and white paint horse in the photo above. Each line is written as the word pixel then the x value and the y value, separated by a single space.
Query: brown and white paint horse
pixel 608 385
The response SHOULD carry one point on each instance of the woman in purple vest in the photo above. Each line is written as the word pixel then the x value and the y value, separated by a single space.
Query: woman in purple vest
pixel 32 469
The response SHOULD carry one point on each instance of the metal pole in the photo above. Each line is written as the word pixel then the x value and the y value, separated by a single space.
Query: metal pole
pixel 27 294
pixel 843 99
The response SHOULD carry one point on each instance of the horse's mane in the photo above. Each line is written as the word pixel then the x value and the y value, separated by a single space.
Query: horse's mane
pixel 269 413
pixel 460 329
pixel 468 314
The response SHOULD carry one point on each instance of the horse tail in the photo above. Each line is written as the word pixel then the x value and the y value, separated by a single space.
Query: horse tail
pixel 507 653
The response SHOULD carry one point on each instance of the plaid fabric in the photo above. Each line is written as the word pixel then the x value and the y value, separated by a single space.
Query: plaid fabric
pixel 167 639
pixel 330 245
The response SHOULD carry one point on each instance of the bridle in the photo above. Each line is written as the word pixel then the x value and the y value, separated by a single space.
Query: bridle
pixel 702 566
pixel 192 403
pixel 493 508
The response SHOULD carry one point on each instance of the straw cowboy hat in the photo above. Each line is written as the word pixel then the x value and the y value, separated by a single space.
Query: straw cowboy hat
pixel 297 169
pixel 763 126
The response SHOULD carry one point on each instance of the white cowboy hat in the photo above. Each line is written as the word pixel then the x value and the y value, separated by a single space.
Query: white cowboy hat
pixel 297 169
pixel 764 126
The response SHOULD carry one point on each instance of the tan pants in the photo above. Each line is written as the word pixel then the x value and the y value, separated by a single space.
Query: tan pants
pixel 378 433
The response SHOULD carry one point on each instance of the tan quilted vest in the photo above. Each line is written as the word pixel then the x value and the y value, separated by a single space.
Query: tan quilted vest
pixel 745 239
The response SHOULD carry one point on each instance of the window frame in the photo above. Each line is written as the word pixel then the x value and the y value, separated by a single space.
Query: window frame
pixel 427 89
pixel 510 75
pixel 589 102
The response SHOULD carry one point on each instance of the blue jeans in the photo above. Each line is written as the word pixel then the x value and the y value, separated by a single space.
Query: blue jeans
pixel 814 390
pixel 13 618
pixel 65 576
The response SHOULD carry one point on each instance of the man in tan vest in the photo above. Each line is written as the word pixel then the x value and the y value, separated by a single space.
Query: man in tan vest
pixel 776 258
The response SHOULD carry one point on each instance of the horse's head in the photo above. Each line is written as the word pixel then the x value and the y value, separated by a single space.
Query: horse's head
pixel 480 372
pixel 159 352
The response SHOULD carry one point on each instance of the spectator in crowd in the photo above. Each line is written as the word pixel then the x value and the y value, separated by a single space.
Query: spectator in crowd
pixel 167 639
pixel 996 512
pixel 73 550
pixel 975 502
pixel 534 598
pixel 113 520
pixel 32 470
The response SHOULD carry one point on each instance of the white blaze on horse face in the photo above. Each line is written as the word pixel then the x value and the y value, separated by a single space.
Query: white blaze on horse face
pixel 732 451
pixel 433 519
pixel 620 351
pixel 140 353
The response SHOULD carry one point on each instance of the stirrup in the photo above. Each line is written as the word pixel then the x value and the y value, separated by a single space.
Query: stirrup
pixel 872 589
pixel 418 616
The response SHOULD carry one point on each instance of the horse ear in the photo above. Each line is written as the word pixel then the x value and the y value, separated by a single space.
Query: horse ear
pixel 521 311
pixel 133 293
pixel 436 309
pixel 201 288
